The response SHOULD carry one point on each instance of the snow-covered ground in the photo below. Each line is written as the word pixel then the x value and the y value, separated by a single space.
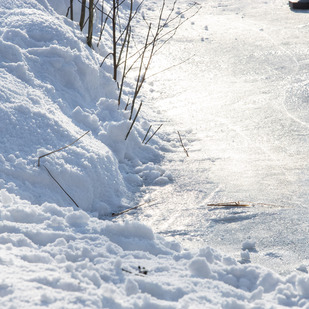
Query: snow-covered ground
pixel 55 254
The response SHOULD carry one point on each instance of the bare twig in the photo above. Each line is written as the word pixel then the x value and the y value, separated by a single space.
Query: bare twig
pixel 82 15
pixel 110 54
pixel 146 134
pixel 139 108
pixel 124 68
pixel 90 23
pixel 245 204
pixel 140 77
pixel 185 150
pixel 103 23
pixel 47 154
pixel 170 67
pixel 153 134
pixel 71 2
pixel 60 186
pixel 230 204
pixel 114 40
pixel 70 9
pixel 269 204
pixel 127 105
pixel 129 209
pixel 159 35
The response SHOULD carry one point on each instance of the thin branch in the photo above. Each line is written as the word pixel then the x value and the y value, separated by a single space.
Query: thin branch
pixel 114 40
pixel 127 105
pixel 71 5
pixel 90 24
pixel 158 36
pixel 102 25
pixel 140 79
pixel 61 186
pixel 132 208
pixel 146 134
pixel 47 154
pixel 130 18
pixel 82 15
pixel 126 32
pixel 185 150
pixel 134 120
pixel 105 58
pixel 68 10
pixel 98 8
pixel 170 19
pixel 172 66
pixel 124 68
pixel 230 204
pixel 154 134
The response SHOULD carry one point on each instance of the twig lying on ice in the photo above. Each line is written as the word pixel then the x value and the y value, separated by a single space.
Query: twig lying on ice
pixel 172 66
pixel 243 204
pixel 185 150
pixel 129 209
pixel 268 204
pixel 230 204
pixel 47 154
pixel 60 186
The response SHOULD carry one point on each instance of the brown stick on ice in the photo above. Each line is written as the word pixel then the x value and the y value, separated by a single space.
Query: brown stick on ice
pixel 185 150
pixel 129 209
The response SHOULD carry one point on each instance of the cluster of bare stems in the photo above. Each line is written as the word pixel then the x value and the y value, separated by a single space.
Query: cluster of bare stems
pixel 121 23
pixel 126 53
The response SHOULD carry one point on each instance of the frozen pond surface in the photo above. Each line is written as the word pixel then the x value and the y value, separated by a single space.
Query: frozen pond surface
pixel 241 105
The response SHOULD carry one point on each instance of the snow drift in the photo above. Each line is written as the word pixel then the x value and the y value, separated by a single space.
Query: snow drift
pixel 53 90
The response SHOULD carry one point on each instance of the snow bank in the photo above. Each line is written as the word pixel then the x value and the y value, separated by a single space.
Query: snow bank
pixel 52 91
pixel 53 254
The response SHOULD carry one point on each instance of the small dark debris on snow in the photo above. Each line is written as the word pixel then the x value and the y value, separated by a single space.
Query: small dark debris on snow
pixel 142 270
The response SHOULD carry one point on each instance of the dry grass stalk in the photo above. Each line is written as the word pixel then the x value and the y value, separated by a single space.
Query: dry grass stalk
pixel 132 124
pixel 47 154
pixel 230 204
pixel 185 150
pixel 129 209
pixel 60 186
pixel 153 134
pixel 146 134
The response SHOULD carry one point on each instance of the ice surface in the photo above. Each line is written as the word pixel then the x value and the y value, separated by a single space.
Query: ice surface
pixel 239 104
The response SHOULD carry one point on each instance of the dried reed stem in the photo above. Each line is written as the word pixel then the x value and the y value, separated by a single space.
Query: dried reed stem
pixel 146 134
pixel 230 204
pixel 129 209
pixel 153 134
pixel 47 154
pixel 185 150
pixel 60 186
pixel 132 124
